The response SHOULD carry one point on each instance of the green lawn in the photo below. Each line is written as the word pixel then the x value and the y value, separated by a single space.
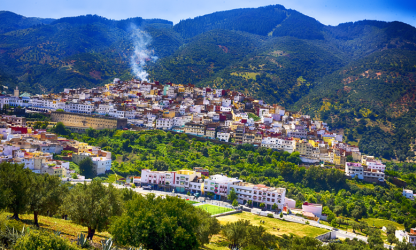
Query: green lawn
pixel 74 166
pixel 214 209
pixel 274 226
pixel 382 222
pixel 191 202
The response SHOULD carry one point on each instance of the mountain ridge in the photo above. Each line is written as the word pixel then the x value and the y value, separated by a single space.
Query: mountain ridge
pixel 343 74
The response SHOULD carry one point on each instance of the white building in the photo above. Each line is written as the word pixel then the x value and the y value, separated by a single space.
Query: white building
pixel 404 236
pixel 260 194
pixel 219 185
pixel 101 164
pixel 164 123
pixel 313 208
pixel 408 194
pixel 354 169
pixel 223 136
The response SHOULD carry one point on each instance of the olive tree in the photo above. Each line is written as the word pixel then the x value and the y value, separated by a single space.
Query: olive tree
pixel 163 223
pixel 15 186
pixel 92 206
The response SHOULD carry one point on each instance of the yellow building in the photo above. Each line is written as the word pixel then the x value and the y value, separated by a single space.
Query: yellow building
pixel 339 160
pixel 239 105
pixel 181 88
pixel 83 148
pixel 72 120
pixel 60 172
pixel 329 140
pixel 109 85
pixel 314 143
pixel 169 114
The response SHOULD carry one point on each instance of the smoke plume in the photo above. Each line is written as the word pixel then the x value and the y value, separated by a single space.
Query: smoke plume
pixel 141 54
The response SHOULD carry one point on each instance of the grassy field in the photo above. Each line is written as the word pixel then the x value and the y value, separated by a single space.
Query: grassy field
pixel 382 222
pixel 66 227
pixel 214 209
pixel 70 230
pixel 275 226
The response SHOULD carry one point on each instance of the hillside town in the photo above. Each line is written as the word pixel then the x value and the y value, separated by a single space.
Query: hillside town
pixel 214 114
pixel 221 116
pixel 35 149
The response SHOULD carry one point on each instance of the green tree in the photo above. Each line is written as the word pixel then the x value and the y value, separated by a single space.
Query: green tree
pixel 160 165
pixel 233 195
pixel 274 207
pixel 333 223
pixel 15 185
pixel 374 238
pixel 391 239
pixel 60 129
pixel 236 232
pixel 300 197
pixel 235 203
pixel 163 223
pixel 46 195
pixel 281 215
pixel 37 125
pixel 205 152
pixel 338 210
pixel 391 229
pixel 354 226
pixel 356 213
pixel 258 238
pixel 208 226
pixel 339 221
pixel 330 215
pixel 363 225
pixel 404 246
pixel 86 168
pixel 242 234
pixel 44 125
pixel 262 205
pixel 294 158
pixel 92 206
pixel 250 203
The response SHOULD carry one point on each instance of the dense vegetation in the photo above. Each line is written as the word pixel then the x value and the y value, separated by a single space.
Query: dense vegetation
pixel 97 207
pixel 158 150
pixel 72 52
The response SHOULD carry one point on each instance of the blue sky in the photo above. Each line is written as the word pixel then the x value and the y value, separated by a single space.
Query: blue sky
pixel 329 12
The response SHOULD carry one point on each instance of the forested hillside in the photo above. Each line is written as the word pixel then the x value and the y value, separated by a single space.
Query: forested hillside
pixel 357 76
pixel 374 98
pixel 72 52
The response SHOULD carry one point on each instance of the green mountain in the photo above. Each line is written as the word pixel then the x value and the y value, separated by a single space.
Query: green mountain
pixel 73 52
pixel 357 76
pixel 11 21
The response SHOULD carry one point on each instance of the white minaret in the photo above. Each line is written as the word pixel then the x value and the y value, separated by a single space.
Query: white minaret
pixel 16 92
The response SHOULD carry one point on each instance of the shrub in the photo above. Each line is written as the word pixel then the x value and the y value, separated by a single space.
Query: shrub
pixel 42 240
pixel 10 231
pixel 270 215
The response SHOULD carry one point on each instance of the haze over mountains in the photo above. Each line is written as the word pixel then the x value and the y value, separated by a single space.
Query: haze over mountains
pixel 341 74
